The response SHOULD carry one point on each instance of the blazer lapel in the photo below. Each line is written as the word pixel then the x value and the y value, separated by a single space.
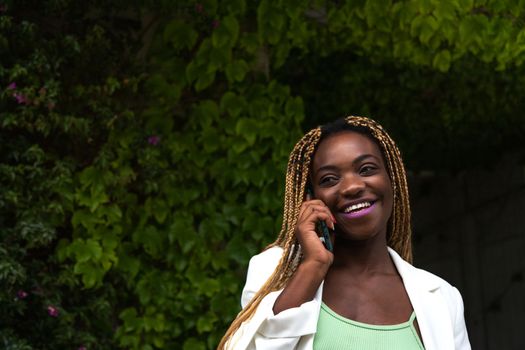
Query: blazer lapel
pixel 430 307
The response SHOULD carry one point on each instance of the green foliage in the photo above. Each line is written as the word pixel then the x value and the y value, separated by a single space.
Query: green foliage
pixel 144 145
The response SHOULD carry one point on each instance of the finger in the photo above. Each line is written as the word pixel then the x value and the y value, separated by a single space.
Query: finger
pixel 307 210
pixel 314 201
pixel 320 207
pixel 316 216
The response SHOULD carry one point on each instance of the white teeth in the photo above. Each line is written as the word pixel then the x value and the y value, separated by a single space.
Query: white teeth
pixel 357 206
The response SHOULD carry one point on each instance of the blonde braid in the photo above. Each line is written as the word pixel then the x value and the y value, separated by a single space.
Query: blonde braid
pixel 399 231
pixel 297 174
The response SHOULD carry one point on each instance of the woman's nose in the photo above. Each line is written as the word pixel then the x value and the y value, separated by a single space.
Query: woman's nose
pixel 352 185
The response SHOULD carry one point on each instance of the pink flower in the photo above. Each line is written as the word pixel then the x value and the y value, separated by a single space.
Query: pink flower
pixel 20 98
pixel 11 86
pixel 154 140
pixel 199 8
pixel 215 23
pixel 3 8
pixel 82 348
pixel 51 106
pixel 52 311
pixel 21 294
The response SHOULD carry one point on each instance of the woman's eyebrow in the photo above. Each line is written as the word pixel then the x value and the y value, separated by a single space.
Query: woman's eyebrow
pixel 355 161
pixel 363 157
pixel 327 167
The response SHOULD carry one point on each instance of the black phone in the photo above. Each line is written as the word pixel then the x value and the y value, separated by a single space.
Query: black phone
pixel 322 229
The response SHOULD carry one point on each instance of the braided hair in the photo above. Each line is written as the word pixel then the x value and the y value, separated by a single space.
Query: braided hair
pixel 297 177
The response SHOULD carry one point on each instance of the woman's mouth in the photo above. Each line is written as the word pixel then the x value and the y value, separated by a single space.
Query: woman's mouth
pixel 358 210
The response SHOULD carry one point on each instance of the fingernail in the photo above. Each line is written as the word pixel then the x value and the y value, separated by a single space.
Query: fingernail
pixel 333 227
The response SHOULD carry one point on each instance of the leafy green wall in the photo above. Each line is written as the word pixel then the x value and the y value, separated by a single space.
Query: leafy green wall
pixel 143 144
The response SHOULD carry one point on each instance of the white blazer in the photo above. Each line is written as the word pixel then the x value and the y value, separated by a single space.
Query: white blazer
pixel 437 304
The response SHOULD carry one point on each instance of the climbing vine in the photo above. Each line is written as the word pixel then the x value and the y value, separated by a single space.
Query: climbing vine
pixel 144 144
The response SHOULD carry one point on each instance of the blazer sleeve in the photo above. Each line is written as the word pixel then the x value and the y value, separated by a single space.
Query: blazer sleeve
pixel 265 330
pixel 461 340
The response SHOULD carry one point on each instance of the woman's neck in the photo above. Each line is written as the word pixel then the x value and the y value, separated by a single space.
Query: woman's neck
pixel 362 257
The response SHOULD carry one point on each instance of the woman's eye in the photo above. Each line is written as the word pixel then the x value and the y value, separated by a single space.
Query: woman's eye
pixel 327 180
pixel 368 169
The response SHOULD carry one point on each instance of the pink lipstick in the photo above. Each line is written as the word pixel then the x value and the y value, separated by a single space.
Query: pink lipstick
pixel 359 213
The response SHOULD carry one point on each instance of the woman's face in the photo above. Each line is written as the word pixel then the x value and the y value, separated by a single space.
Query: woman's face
pixel 350 177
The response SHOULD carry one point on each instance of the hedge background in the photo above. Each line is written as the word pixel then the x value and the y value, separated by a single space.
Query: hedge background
pixel 143 143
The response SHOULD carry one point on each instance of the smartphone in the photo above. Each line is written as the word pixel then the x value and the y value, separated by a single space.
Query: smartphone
pixel 322 229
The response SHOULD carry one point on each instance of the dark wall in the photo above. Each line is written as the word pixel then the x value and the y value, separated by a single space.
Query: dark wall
pixel 469 228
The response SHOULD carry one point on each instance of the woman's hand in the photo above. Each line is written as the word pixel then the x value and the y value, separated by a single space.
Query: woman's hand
pixel 314 251
pixel 309 275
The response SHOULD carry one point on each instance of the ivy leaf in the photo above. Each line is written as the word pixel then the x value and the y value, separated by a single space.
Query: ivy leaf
pixel 235 6
pixel 227 33
pixel 232 25
pixel 466 5
pixel 220 37
pixel 294 108
pixel 85 250
pixel 210 140
pixel 160 210
pixel 192 71
pixel 232 104
pixel 86 219
pixel 90 274
pixel 469 30
pixel 445 10
pixel 247 128
pixel 425 6
pixel 236 71
pixel 442 61
pixel 180 34
pixel 206 322
pixel 193 344
pixel 428 29
pixel 249 42
pixel 375 11
pixel 204 81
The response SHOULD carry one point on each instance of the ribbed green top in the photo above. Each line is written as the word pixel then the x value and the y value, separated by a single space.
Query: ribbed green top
pixel 335 332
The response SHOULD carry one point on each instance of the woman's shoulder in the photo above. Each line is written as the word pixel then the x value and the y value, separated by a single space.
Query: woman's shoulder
pixel 423 277
pixel 432 279
pixel 270 254
pixel 261 267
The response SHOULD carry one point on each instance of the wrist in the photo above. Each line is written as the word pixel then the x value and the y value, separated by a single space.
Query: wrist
pixel 314 267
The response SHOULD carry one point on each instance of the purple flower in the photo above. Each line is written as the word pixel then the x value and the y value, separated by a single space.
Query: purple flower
pixel 215 23
pixel 154 140
pixel 21 294
pixel 11 86
pixel 52 311
pixel 20 98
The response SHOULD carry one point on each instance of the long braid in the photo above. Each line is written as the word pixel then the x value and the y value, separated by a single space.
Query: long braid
pixel 296 178
pixel 399 231
pixel 297 175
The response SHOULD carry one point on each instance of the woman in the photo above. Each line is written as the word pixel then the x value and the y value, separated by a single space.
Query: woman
pixel 365 294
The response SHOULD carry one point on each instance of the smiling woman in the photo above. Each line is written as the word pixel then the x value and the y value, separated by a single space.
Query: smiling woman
pixel 364 294
pixel 349 176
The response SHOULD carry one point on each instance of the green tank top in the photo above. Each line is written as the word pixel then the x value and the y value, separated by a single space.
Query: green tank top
pixel 335 332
